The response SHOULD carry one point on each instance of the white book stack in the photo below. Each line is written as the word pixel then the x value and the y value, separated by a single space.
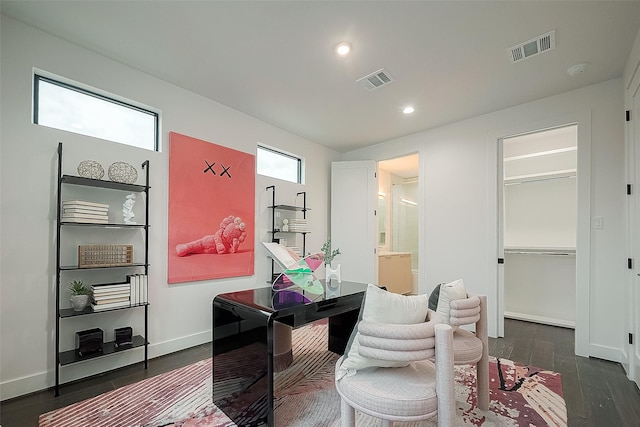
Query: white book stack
pixel 296 249
pixel 85 212
pixel 298 225
pixel 110 296
pixel 139 289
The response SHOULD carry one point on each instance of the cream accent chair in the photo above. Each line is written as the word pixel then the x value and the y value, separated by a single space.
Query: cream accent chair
pixel 418 391
pixel 469 348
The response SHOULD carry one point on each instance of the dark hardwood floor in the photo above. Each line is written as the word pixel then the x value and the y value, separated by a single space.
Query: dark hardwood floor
pixel 597 392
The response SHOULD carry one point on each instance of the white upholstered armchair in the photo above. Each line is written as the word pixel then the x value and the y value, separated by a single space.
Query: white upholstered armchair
pixel 417 391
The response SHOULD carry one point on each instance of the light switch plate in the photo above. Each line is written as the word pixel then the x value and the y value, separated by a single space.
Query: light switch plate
pixel 597 223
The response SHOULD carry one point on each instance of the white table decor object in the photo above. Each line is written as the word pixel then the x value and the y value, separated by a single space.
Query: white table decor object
pixel 127 209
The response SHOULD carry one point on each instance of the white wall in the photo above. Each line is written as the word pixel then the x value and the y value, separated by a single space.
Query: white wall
pixel 180 315
pixel 458 179
pixel 540 287
pixel 540 214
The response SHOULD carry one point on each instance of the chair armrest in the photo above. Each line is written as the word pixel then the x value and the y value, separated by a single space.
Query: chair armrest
pixel 465 311
pixel 396 342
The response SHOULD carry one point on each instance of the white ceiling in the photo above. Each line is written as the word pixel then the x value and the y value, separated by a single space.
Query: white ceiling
pixel 275 60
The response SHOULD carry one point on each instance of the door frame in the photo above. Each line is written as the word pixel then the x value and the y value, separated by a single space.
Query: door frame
pixel 632 131
pixel 583 233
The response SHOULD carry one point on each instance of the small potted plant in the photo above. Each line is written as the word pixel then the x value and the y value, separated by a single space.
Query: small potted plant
pixel 79 295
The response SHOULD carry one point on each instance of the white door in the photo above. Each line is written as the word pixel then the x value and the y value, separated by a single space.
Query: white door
pixel 354 189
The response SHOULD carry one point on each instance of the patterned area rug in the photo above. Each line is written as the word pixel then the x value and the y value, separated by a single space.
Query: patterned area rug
pixel 306 397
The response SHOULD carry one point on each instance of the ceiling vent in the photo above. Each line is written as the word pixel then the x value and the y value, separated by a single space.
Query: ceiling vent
pixel 532 47
pixel 375 80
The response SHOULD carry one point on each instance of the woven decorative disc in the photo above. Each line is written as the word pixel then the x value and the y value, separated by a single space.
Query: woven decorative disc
pixel 90 169
pixel 123 172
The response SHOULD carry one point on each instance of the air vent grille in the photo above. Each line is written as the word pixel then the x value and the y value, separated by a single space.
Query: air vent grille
pixel 375 80
pixel 532 47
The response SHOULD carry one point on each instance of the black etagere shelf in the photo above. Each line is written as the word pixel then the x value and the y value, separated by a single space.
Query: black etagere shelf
pixel 275 230
pixel 75 267
pixel 68 357
pixel 70 312
pixel 114 225
pixel 99 183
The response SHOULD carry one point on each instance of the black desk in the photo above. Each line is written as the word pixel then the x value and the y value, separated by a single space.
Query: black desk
pixel 243 341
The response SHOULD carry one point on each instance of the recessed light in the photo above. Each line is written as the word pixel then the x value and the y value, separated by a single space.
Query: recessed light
pixel 343 48
pixel 408 110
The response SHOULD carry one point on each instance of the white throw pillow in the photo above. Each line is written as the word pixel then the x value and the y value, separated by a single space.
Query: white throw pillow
pixel 449 292
pixel 381 306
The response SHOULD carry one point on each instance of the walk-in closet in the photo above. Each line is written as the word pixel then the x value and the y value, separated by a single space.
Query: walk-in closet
pixel 540 226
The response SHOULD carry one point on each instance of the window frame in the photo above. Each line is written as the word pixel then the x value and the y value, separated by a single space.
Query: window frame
pixel 298 160
pixel 37 77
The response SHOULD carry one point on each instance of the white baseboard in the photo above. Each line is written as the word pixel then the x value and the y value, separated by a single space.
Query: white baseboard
pixel 171 346
pixel 25 385
pixel 43 380
pixel 634 369
pixel 540 319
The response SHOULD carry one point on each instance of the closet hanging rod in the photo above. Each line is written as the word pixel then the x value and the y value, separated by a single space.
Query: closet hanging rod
pixel 507 251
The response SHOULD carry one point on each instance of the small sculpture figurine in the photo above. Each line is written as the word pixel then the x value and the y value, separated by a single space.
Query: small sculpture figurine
pixel 226 239
pixel 285 225
pixel 127 208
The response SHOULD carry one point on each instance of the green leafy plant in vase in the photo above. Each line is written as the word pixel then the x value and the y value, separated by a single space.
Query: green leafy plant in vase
pixel 79 295
pixel 328 256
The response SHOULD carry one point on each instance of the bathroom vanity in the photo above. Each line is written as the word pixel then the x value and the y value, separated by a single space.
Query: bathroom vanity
pixel 394 272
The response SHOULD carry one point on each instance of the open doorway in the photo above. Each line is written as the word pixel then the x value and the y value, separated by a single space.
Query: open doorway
pixel 539 226
pixel 397 236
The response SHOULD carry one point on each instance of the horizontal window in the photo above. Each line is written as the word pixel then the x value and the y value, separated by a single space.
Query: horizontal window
pixel 279 165
pixel 63 106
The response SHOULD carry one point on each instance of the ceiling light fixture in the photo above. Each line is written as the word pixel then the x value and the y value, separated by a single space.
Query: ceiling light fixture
pixel 343 48
pixel 408 110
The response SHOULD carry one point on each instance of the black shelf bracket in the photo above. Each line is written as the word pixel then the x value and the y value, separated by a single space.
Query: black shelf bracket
pixel 304 216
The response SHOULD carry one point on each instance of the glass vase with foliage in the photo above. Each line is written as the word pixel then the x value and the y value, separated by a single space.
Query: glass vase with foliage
pixel 329 254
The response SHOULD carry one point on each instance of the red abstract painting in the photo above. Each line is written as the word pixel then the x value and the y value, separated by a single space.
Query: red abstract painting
pixel 211 210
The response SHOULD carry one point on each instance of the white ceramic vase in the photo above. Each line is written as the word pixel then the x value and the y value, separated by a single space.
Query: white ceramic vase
pixel 331 273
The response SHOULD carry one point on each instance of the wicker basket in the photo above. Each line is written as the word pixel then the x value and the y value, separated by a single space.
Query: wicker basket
pixel 90 256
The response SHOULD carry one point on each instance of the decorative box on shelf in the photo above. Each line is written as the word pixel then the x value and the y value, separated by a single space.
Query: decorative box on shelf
pixel 91 256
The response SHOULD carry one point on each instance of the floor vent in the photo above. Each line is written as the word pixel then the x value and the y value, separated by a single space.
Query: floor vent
pixel 532 47
pixel 375 80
